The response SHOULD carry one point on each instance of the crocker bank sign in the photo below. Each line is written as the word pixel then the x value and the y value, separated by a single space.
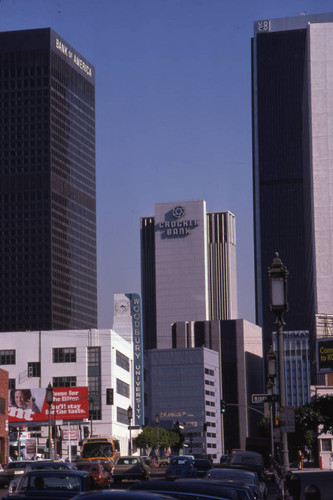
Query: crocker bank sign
pixel 175 224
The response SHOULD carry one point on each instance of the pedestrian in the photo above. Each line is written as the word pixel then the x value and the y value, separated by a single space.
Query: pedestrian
pixel 300 459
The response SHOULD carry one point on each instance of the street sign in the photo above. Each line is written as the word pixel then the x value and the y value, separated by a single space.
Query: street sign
pixel 264 398
pixel 287 418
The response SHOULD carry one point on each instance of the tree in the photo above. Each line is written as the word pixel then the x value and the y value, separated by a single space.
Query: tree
pixel 155 438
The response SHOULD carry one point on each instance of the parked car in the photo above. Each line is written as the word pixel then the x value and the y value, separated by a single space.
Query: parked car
pixel 202 466
pixel 244 490
pixel 130 467
pixel 40 465
pixel 122 495
pixel 238 475
pixel 102 478
pixel 52 484
pixel 164 462
pixel 12 470
pixel 180 466
pixel 191 489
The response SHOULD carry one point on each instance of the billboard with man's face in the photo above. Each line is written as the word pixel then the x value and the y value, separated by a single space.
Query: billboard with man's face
pixel 30 405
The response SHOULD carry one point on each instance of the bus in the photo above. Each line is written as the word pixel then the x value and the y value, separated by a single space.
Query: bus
pixel 100 448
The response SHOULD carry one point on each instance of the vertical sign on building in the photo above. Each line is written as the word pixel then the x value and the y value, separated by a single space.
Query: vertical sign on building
pixel 136 313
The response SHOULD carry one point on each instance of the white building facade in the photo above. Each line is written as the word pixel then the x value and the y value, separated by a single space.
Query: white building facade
pixel 188 268
pixel 98 359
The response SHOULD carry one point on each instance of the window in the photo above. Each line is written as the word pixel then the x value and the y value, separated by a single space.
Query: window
pixel 64 355
pixel 12 383
pixel 34 369
pixel 123 388
pixel 326 445
pixel 64 381
pixel 7 357
pixel 2 406
pixel 122 361
pixel 122 416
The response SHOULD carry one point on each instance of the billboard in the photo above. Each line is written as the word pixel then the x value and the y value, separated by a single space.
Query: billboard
pixel 325 355
pixel 29 405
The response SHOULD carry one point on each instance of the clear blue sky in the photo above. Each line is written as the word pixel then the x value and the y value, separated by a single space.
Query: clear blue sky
pixel 173 114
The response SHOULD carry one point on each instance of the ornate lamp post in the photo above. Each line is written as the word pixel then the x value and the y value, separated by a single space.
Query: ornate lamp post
pixel 91 413
pixel 277 275
pixel 157 422
pixel 271 369
pixel 130 416
pixel 49 400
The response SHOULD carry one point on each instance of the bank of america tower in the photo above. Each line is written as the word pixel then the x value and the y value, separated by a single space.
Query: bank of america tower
pixel 48 187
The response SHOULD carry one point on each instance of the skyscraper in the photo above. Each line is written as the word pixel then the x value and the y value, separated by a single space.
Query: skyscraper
pixel 48 187
pixel 188 268
pixel 292 89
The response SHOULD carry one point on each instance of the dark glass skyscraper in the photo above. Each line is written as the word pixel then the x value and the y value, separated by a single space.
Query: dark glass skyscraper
pixel 47 184
pixel 292 158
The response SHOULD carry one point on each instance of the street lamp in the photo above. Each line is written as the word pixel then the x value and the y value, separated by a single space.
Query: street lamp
pixel 130 416
pixel 157 422
pixel 91 413
pixel 277 275
pixel 271 369
pixel 49 400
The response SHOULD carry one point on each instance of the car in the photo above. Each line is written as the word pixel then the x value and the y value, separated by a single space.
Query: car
pixel 39 465
pixel 238 475
pixel 130 467
pixel 12 470
pixel 257 469
pixel 122 495
pixel 191 489
pixel 244 491
pixel 102 478
pixel 164 462
pixel 180 466
pixel 224 459
pixel 52 484
pixel 202 466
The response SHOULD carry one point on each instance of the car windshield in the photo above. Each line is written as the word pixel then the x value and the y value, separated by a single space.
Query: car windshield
pixel 97 450
pixel 51 482
pixel 127 461
pixel 229 475
pixel 179 461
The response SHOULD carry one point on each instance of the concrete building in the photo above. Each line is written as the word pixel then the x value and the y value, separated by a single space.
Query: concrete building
pixel 292 89
pixel 47 184
pixel 97 359
pixel 239 347
pixel 184 387
pixel 188 268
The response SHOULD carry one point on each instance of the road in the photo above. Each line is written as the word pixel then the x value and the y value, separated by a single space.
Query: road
pixel 322 479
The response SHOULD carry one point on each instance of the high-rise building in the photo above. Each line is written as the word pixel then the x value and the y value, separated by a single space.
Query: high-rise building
pixel 188 268
pixel 292 90
pixel 47 184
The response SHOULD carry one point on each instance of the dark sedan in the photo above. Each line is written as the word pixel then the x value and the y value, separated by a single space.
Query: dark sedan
pixel 202 466
pixel 191 489
pixel 13 470
pixel 52 484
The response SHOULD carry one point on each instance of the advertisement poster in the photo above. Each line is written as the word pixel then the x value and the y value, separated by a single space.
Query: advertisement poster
pixel 29 405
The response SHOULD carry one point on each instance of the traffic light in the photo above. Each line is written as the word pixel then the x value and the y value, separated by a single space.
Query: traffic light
pixel 86 432
pixel 222 406
pixel 109 396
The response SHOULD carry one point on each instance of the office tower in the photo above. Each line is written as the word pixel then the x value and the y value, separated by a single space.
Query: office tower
pixel 239 346
pixel 184 390
pixel 296 366
pixel 292 90
pixel 48 186
pixel 188 268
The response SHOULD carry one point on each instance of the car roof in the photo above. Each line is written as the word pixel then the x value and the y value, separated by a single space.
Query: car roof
pixel 231 472
pixel 57 472
pixel 198 486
